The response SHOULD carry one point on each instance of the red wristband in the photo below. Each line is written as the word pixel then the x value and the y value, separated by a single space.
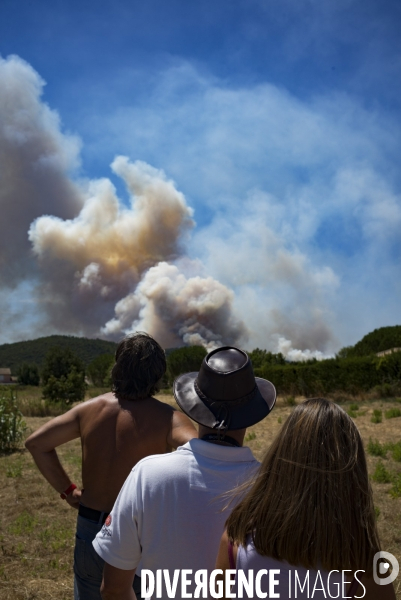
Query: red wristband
pixel 68 491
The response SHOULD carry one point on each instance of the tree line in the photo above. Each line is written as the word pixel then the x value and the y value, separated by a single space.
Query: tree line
pixel 354 369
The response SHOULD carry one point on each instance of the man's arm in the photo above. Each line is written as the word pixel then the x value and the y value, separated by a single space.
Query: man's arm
pixel 117 584
pixel 182 430
pixel 42 443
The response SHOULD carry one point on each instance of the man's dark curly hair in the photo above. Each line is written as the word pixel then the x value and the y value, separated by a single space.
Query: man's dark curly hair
pixel 140 365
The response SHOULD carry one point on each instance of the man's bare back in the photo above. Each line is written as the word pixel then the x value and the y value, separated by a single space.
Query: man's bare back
pixel 115 435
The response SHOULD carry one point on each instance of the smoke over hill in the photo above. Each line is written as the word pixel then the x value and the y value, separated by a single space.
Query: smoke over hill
pixel 100 267
pixel 97 266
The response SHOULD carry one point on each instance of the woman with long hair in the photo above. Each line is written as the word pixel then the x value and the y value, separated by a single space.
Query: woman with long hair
pixel 309 513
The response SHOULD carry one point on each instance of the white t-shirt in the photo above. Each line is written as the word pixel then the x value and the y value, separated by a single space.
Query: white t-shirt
pixel 287 580
pixel 168 514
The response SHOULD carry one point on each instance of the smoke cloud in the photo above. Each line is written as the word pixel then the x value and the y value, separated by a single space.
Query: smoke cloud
pixel 35 159
pixel 110 254
pixel 281 294
pixel 95 265
pixel 195 310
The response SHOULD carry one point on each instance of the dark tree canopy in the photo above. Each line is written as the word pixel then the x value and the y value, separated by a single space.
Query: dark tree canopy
pixel 100 368
pixel 184 360
pixel 28 375
pixel 378 340
pixel 63 376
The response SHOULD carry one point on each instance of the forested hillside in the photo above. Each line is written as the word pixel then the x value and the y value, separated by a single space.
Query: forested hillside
pixel 34 351
pixel 375 341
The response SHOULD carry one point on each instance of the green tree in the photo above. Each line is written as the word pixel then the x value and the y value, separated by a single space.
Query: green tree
pixel 28 374
pixel 63 376
pixel 259 358
pixel 184 360
pixel 345 352
pixel 100 368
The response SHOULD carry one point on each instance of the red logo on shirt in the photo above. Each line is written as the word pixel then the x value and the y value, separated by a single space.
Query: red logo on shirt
pixel 108 521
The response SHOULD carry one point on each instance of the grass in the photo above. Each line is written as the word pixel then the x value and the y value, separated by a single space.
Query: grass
pixel 14 470
pixel 375 448
pixel 381 475
pixel 31 403
pixel 37 529
pixel 290 401
pixel 392 413
pixel 395 491
pixel 396 451
pixel 377 416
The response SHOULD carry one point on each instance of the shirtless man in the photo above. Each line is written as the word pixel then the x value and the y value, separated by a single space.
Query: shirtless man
pixel 117 430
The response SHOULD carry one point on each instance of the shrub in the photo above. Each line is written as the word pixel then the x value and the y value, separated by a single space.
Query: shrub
pixel 392 413
pixel 375 448
pixel 354 406
pixel 290 400
pixel 352 414
pixel 250 436
pixel 28 374
pixel 377 416
pixel 381 475
pixel 67 389
pixel 384 390
pixel 12 426
pixel 63 376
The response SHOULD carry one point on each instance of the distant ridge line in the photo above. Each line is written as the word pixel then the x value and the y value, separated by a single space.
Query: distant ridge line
pixel 13 355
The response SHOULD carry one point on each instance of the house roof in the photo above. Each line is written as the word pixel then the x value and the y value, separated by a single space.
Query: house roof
pixel 5 371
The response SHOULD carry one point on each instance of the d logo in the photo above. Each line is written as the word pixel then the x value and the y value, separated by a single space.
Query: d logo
pixel 384 568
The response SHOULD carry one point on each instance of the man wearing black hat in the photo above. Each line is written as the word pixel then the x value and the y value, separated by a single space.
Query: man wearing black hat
pixel 169 514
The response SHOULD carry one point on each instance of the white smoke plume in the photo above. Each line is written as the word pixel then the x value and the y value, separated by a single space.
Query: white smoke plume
pixel 90 262
pixel 109 245
pixel 105 256
pixel 195 310
pixel 294 355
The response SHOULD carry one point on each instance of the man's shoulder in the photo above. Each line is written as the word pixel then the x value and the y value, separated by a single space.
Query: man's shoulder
pixel 107 398
pixel 97 408
pixel 155 461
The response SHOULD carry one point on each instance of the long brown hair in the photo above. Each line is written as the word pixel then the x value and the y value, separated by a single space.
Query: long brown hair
pixel 311 503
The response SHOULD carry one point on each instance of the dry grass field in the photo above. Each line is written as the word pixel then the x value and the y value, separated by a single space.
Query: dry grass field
pixel 37 527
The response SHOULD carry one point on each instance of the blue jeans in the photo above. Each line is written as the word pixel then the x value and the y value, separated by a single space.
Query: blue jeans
pixel 88 566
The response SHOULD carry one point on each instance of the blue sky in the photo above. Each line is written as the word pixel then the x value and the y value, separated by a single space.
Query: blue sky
pixel 278 123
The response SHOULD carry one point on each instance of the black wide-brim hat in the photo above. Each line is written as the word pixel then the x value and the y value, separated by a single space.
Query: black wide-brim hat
pixel 225 394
